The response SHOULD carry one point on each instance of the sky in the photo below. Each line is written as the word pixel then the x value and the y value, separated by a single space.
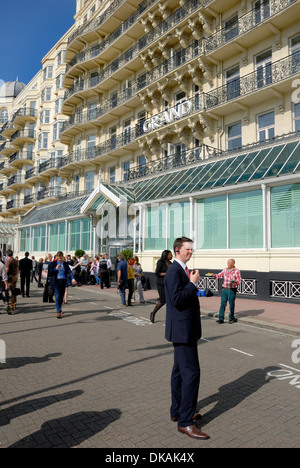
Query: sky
pixel 28 30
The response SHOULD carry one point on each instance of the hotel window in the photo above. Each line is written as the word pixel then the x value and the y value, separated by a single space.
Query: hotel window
pixel 246 220
pixel 43 140
pixel 126 131
pixel 89 181
pixel 92 111
pixel 126 170
pixel 231 27
pixel 234 136
pixel 142 165
pixel 59 81
pixel 179 222
pixel 112 174
pixel 45 116
pixel 61 57
pixel 91 146
pixel 261 10
pixel 113 137
pixel 266 126
pixel 57 129
pixel 233 82
pixel 46 94
pixel 212 223
pixel 285 216
pixel 295 52
pixel 48 73
pixel 155 228
pixel 263 63
pixel 297 117
pixel 4 116
pixel 58 105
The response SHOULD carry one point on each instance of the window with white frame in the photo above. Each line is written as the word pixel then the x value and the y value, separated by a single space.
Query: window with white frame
pixel 234 136
pixel 46 94
pixel 48 72
pixel 266 126
pixel 297 117
pixel 112 174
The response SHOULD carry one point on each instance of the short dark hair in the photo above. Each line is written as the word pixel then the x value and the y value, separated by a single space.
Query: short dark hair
pixel 26 254
pixel 178 243
pixel 9 253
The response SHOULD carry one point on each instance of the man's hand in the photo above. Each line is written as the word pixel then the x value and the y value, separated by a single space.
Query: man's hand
pixel 194 276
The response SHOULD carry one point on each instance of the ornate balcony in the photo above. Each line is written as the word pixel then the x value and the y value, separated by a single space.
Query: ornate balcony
pixel 18 159
pixel 24 115
pixel 277 76
pixel 250 28
pixel 83 85
pixel 95 51
pixel 23 136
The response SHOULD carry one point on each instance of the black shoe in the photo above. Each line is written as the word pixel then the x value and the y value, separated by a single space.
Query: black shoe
pixel 234 320
pixel 220 321
pixel 152 315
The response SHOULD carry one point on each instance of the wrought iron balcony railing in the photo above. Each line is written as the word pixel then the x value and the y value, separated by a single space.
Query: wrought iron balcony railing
pixel 96 50
pixel 246 23
pixel 144 42
pixel 167 66
pixel 270 74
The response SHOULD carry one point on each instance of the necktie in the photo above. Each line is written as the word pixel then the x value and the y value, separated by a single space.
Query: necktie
pixel 187 272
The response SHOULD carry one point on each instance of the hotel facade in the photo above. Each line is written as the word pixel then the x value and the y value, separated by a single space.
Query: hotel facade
pixel 155 119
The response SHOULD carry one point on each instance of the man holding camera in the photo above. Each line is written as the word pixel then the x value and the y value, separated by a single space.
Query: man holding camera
pixel 183 329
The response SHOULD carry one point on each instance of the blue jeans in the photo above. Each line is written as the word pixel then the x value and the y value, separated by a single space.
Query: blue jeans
pixel 59 290
pixel 122 294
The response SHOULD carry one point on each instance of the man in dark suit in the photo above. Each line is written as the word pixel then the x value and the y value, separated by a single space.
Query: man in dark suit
pixel 183 329
pixel 25 268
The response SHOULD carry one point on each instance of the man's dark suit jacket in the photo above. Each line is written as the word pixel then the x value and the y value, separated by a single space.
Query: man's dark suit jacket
pixel 25 266
pixel 183 323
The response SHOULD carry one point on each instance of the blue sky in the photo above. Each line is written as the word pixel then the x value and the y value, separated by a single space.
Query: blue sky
pixel 28 30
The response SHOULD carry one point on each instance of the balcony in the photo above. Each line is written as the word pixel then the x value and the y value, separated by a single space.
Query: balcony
pixel 8 130
pixel 16 182
pixel 4 189
pixel 251 28
pixel 24 115
pixel 82 86
pixel 94 52
pixel 276 76
pixel 18 159
pixel 7 149
pixel 92 26
pixel 5 168
pixel 23 136
pixel 180 61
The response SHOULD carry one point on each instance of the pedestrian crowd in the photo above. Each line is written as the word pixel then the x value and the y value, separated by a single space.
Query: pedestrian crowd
pixel 178 289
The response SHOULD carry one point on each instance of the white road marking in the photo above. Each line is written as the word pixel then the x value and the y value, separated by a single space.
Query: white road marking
pixel 242 352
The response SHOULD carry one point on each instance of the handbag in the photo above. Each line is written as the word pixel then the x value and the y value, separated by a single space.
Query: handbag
pixel 208 292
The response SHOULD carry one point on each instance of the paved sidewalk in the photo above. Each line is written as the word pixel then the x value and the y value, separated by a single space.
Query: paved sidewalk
pixel 265 314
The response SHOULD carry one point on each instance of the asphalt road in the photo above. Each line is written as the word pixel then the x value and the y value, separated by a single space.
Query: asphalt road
pixel 100 377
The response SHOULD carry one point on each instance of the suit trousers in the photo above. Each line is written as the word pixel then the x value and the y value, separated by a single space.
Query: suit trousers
pixel 185 381
pixel 59 290
pixel 25 280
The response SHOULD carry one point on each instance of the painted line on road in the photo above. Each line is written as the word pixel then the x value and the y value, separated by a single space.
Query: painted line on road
pixel 289 367
pixel 242 352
